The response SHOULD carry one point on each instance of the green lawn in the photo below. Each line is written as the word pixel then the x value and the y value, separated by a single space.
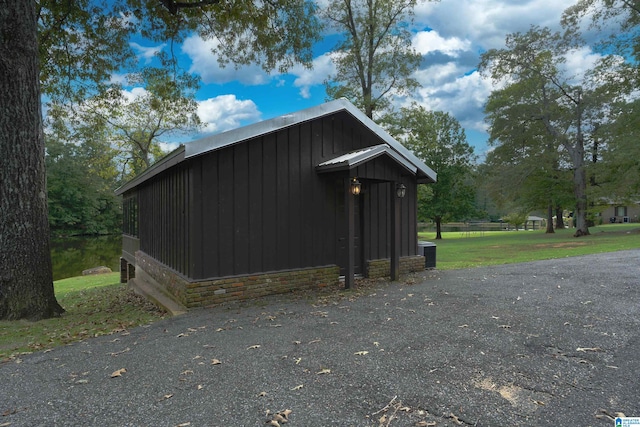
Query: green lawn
pixel 95 305
pixel 474 249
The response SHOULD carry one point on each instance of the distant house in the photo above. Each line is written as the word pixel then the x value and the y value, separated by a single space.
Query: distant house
pixel 270 207
pixel 621 212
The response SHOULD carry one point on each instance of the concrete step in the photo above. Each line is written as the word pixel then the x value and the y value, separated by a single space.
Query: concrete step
pixel 148 288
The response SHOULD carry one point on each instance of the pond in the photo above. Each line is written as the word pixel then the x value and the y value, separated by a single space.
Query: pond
pixel 71 255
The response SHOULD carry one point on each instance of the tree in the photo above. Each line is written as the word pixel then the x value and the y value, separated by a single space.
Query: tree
pixel 524 169
pixel 374 59
pixel 136 123
pixel 79 45
pixel 26 281
pixel 438 139
pixel 622 16
pixel 568 107
pixel 81 179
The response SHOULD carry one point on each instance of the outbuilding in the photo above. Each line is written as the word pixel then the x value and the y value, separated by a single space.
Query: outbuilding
pixel 293 202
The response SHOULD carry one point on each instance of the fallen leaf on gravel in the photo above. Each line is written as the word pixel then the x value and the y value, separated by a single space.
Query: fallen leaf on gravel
pixel 118 373
pixel 425 424
pixel 383 419
pixel 279 418
pixel 585 349
pixel 405 409
pixel 297 342
pixel 219 329
pixel 298 387
pixel 253 347
pixel 5 424
pixel 505 326
pixel 273 423
pixel 120 352
pixel 183 424
pixel 361 353
pixel 262 394
pixel 324 371
pixel 182 335
pixel 463 326
pixel 314 341
pixel 167 396
pixel 188 371
pixel 200 387
pixel 298 360
pixel 287 412
pixel 215 362
pixel 455 419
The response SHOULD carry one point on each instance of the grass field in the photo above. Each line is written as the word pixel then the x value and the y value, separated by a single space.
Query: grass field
pixel 474 249
pixel 95 305
pixel 98 305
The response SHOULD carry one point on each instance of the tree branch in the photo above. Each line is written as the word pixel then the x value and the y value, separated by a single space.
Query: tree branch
pixel 174 6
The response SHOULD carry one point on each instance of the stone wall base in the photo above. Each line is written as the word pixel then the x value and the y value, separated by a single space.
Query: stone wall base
pixel 209 292
pixel 376 268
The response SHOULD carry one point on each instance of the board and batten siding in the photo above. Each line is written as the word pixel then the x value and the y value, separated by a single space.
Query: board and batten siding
pixel 260 205
pixel 163 226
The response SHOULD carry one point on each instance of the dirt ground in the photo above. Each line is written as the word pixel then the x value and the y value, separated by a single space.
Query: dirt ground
pixel 546 343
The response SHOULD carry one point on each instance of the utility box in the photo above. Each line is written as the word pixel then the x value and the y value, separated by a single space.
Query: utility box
pixel 428 250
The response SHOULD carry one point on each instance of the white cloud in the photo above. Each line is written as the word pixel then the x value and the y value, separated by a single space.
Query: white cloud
pixel 430 41
pixel 147 53
pixel 323 66
pixel 226 112
pixel 205 63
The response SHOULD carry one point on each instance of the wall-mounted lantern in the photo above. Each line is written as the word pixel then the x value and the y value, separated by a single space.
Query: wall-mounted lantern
pixel 401 190
pixel 355 186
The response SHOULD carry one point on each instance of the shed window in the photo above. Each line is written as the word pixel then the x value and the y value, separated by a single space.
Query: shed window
pixel 130 215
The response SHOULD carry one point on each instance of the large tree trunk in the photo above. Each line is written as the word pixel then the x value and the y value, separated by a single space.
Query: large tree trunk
pixel 26 285
pixel 580 188
pixel 559 218
pixel 549 229
pixel 438 221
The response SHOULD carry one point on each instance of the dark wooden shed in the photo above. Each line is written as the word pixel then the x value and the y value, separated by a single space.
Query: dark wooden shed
pixel 269 207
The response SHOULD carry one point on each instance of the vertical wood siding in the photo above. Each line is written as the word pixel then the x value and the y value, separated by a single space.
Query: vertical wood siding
pixel 163 223
pixel 260 206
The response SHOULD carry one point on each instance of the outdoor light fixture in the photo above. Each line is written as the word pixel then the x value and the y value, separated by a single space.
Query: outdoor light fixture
pixel 355 186
pixel 401 190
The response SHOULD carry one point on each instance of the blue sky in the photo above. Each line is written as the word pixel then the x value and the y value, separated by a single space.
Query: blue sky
pixel 456 33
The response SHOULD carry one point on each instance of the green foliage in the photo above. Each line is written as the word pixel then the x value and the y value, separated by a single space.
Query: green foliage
pixel 438 139
pixel 375 57
pixel 617 20
pixel 516 218
pixel 81 178
pixel 545 111
pixel 82 43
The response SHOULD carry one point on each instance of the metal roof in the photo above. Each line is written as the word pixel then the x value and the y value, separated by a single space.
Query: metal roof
pixel 395 149
pixel 354 159
pixel 215 142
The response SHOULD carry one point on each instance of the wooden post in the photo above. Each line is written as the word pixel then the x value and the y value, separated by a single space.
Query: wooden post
pixel 395 232
pixel 349 209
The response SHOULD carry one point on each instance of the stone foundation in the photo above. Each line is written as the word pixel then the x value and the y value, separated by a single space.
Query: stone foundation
pixel 376 268
pixel 209 292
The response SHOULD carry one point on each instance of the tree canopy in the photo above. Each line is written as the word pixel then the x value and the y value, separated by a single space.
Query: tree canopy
pixel 375 59
pixel 438 139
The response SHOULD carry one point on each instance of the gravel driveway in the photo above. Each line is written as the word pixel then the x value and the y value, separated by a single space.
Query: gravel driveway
pixel 549 343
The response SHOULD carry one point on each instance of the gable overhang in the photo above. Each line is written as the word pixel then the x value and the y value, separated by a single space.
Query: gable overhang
pixel 356 158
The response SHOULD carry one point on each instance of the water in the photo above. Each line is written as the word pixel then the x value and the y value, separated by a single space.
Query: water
pixel 71 255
